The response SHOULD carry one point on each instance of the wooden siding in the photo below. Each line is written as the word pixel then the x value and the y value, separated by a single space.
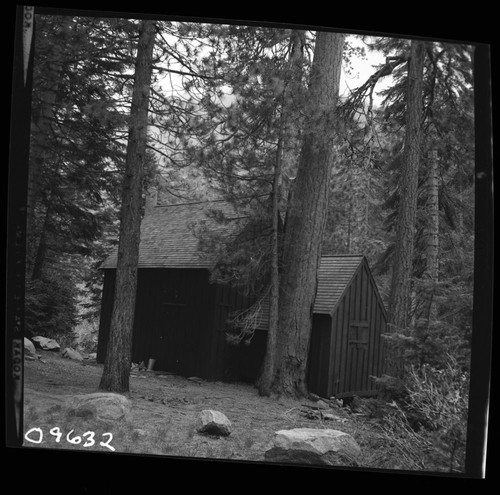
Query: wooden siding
pixel 181 320
pixel 173 308
pixel 346 348
pixel 357 345
pixel 223 355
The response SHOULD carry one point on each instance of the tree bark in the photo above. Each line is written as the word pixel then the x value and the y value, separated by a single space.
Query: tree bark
pixel 284 163
pixel 116 371
pixel 432 234
pixel 306 215
pixel 405 227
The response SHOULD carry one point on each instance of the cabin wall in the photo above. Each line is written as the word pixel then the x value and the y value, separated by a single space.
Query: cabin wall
pixel 181 320
pixel 172 321
pixel 229 361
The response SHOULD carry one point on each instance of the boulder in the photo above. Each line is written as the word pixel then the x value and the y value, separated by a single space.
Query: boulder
pixel 104 406
pixel 214 423
pixel 46 344
pixel 72 354
pixel 313 446
pixel 29 348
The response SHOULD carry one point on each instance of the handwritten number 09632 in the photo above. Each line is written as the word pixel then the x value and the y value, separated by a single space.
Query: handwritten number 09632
pixel 56 432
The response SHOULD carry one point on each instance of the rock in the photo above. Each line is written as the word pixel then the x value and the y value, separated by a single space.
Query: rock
pixel 314 397
pixel 321 404
pixel 214 423
pixel 72 354
pixel 313 446
pixel 104 406
pixel 29 349
pixel 46 344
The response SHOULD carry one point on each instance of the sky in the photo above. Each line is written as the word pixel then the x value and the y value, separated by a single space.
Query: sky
pixel 363 68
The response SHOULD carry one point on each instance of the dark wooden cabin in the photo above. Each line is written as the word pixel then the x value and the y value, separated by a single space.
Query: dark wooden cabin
pixel 181 319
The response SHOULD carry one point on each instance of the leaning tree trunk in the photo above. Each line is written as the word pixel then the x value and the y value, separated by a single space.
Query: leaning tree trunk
pixel 306 215
pixel 405 227
pixel 116 371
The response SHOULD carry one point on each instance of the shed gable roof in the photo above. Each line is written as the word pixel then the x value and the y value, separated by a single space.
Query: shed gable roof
pixel 169 241
pixel 335 273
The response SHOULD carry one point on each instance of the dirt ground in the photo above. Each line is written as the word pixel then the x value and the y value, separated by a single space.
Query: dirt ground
pixel 165 411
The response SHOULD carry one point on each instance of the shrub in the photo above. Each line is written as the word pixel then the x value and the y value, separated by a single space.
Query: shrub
pixel 437 399
pixel 50 307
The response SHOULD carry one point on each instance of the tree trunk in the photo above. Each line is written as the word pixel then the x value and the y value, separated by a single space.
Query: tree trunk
pixel 116 371
pixel 292 105
pixel 267 373
pixel 432 234
pixel 284 160
pixel 306 215
pixel 405 228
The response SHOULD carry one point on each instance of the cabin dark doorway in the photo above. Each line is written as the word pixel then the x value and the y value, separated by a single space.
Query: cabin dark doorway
pixel 170 344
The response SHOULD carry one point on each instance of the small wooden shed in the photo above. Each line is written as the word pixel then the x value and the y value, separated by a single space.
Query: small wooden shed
pixel 181 319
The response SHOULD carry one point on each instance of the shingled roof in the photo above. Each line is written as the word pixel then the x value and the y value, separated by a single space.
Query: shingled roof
pixel 168 238
pixel 335 272
pixel 334 275
pixel 168 241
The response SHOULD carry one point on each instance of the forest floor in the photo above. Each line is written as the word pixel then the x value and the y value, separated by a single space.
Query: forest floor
pixel 165 412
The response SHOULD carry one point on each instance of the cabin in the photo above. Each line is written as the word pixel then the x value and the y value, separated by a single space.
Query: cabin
pixel 182 318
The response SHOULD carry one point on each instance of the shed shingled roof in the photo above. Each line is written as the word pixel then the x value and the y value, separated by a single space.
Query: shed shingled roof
pixel 168 239
pixel 335 273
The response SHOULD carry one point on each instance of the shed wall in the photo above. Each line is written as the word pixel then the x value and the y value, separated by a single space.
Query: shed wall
pixel 356 345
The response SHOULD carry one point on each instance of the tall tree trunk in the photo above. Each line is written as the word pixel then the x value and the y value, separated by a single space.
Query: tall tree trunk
pixel 116 371
pixel 267 373
pixel 405 228
pixel 306 215
pixel 292 105
pixel 432 236
pixel 284 160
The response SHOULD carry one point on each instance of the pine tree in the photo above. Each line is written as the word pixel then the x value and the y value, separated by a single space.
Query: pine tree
pixel 306 214
pixel 116 371
pixel 75 122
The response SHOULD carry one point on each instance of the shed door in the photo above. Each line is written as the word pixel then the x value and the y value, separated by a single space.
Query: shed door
pixel 357 354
